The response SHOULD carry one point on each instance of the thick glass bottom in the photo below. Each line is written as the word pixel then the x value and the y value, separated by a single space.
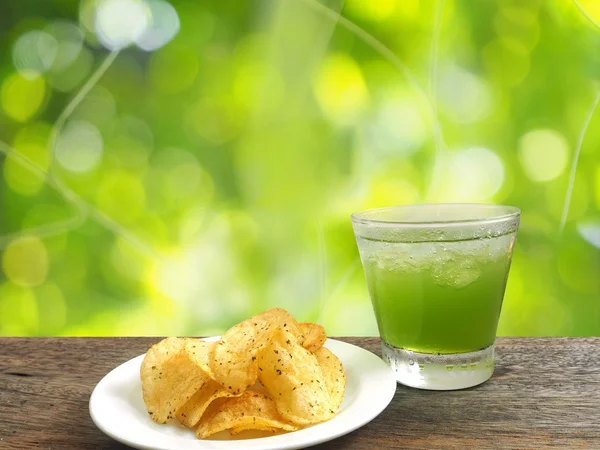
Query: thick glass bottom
pixel 440 372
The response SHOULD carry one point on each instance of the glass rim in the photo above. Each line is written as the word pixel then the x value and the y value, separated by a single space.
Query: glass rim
pixel 505 214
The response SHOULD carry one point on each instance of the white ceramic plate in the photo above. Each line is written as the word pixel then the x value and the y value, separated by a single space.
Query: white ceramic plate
pixel 117 408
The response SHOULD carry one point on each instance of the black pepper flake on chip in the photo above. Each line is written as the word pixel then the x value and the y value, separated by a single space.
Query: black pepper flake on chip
pixel 276 351
pixel 288 342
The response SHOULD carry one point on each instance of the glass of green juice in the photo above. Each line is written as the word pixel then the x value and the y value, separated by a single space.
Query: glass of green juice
pixel 436 275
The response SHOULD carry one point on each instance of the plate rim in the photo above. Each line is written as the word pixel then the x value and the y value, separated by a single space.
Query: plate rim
pixel 385 399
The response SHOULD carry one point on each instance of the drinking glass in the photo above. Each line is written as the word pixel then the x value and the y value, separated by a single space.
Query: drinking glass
pixel 436 275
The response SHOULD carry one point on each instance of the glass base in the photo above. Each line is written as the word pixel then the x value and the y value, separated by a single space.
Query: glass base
pixel 440 372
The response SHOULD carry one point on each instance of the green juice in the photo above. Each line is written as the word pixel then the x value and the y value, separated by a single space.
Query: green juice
pixel 437 297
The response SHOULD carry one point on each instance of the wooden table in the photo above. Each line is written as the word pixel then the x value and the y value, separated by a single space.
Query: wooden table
pixel 544 393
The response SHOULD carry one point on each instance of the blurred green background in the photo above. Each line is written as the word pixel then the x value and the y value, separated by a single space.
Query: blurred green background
pixel 171 168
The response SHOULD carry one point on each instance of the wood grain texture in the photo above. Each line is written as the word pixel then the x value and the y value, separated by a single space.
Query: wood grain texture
pixel 545 393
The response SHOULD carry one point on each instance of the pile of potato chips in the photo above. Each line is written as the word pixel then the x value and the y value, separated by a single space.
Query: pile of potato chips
pixel 267 373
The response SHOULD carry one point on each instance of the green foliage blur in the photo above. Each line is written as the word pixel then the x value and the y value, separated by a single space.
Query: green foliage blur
pixel 172 168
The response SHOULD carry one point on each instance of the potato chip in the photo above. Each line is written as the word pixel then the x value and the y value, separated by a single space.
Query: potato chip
pixel 152 364
pixel 171 375
pixel 191 412
pixel 251 410
pixel 314 336
pixel 234 360
pixel 294 378
pixel 333 371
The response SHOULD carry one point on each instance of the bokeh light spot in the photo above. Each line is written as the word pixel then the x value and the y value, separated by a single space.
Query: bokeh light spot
pixel 70 77
pixel 191 224
pixel 543 154
pixel 25 261
pixel 87 15
pixel 69 40
pixel 528 34
pixel 252 84
pixel 30 142
pixel 507 61
pixel 19 314
pixel 578 268
pixel 153 230
pixel 398 128
pixel 474 174
pixel 119 23
pixel 183 180
pixel 34 52
pixel 392 190
pixel 463 96
pixel 79 147
pixel 22 95
pixel 341 89
pixel 163 26
pixel 126 260
pixel 182 177
pixel 590 232
pixel 99 108
pixel 121 196
pixel 174 68
pixel 214 122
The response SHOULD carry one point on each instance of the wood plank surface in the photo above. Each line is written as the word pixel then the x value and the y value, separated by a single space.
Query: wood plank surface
pixel 545 393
